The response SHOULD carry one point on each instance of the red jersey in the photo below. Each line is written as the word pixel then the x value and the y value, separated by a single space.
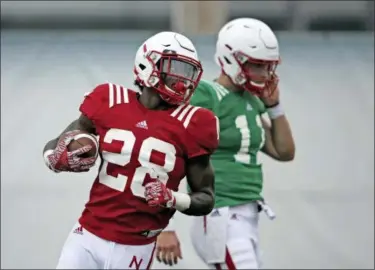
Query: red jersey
pixel 133 141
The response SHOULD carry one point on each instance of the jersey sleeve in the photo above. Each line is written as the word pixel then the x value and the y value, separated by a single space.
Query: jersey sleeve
pixel 202 96
pixel 95 102
pixel 203 133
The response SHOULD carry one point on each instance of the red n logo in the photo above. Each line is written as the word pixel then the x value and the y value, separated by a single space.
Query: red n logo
pixel 137 264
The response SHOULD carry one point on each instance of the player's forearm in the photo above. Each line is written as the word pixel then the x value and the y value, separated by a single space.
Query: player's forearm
pixel 82 123
pixel 200 179
pixel 202 203
pixel 201 199
pixel 53 143
pixel 195 204
pixel 50 145
pixel 282 138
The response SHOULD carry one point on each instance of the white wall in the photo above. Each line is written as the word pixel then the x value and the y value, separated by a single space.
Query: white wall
pixel 300 12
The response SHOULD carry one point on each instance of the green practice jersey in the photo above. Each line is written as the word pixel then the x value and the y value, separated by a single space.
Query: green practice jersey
pixel 238 174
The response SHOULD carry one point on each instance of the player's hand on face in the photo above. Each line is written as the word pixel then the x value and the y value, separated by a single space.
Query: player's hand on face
pixel 271 95
pixel 157 194
pixel 60 159
pixel 168 248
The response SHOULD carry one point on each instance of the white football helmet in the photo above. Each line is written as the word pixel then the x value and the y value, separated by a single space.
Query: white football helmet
pixel 169 63
pixel 243 41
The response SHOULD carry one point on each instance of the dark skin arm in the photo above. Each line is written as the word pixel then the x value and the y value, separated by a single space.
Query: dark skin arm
pixel 200 178
pixel 82 123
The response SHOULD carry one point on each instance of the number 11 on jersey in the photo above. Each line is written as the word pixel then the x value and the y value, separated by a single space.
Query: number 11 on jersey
pixel 243 155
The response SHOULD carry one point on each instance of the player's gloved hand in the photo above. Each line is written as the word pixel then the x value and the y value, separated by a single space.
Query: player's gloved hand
pixel 60 159
pixel 157 194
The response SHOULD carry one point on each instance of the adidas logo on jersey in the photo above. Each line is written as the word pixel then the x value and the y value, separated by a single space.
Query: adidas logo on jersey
pixel 78 230
pixel 248 107
pixel 142 124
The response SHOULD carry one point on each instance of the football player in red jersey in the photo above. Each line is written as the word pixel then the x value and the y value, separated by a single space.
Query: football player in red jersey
pixel 148 142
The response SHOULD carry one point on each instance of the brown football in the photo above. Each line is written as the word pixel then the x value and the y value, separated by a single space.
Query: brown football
pixel 83 139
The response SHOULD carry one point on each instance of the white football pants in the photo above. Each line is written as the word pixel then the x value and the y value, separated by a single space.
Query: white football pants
pixel 84 250
pixel 228 237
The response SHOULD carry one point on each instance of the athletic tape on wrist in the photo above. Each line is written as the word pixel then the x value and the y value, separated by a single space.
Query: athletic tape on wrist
pixel 275 112
pixel 183 201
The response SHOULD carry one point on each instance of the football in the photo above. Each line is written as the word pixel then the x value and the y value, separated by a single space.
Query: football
pixel 83 139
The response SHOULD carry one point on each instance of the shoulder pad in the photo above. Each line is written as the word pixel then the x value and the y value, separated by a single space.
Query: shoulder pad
pixel 103 97
pixel 202 128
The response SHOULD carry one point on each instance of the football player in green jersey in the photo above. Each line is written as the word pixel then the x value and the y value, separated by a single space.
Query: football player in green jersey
pixel 247 51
